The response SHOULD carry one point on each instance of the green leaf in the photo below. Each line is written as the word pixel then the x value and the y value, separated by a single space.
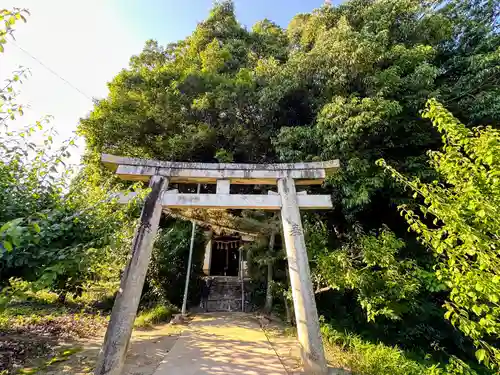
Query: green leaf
pixel 5 227
pixel 7 245
pixel 476 309
pixel 480 354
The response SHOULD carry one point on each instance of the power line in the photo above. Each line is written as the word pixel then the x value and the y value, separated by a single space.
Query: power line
pixel 52 71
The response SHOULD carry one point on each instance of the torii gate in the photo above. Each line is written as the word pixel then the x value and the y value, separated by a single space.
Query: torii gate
pixel 159 174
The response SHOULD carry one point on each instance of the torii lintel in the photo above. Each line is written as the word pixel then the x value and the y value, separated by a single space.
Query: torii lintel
pixel 136 169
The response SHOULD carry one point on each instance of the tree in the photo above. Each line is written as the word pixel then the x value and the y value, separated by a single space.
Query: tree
pixel 459 222
pixel 344 82
pixel 471 61
pixel 8 19
pixel 56 230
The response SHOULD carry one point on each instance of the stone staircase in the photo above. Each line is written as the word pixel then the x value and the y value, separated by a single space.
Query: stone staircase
pixel 225 294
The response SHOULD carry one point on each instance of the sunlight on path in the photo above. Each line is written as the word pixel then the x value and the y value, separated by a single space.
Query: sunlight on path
pixel 220 344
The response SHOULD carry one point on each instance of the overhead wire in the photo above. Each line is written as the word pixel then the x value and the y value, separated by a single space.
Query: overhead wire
pixel 52 71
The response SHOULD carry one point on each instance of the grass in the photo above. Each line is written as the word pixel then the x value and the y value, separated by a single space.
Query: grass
pixel 50 320
pixel 33 328
pixel 24 314
pixel 60 357
pixel 155 315
pixel 349 351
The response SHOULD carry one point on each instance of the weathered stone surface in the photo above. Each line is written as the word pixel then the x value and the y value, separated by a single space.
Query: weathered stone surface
pixel 112 161
pixel 236 201
pixel 306 315
pixel 180 172
pixel 225 294
pixel 242 201
pixel 179 319
pixel 112 354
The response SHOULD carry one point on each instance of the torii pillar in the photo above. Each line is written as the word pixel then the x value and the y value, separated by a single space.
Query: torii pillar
pixel 160 173
pixel 304 303
pixel 113 352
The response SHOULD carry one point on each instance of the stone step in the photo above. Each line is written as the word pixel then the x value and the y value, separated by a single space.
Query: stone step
pixel 225 294
pixel 224 305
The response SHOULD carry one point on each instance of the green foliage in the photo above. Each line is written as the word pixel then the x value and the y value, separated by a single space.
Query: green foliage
pixel 471 61
pixel 57 230
pixel 370 359
pixel 8 19
pixel 155 315
pixel 166 276
pixel 459 223
pixel 211 92
pixel 367 358
pixel 343 82
pixel 371 265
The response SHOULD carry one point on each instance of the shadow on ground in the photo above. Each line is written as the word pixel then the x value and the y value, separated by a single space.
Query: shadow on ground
pixel 147 349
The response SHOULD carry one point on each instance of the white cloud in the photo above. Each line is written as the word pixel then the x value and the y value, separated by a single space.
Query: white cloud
pixel 85 42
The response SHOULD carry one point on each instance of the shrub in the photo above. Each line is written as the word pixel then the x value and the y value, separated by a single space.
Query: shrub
pixel 457 219
pixel 367 358
pixel 158 314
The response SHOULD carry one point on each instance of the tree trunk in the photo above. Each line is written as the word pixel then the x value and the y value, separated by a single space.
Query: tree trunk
pixel 269 292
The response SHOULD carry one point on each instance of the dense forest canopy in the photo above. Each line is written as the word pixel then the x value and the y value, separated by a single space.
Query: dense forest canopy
pixel 344 82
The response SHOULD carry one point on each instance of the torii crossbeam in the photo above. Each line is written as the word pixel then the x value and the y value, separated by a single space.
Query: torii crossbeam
pixel 159 174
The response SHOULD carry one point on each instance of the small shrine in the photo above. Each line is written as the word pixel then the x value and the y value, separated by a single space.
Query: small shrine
pixel 224 256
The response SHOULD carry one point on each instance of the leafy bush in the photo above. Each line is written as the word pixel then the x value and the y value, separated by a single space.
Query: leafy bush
pixel 57 230
pixel 166 276
pixel 371 265
pixel 458 221
pixel 367 358
pixel 370 359
pixel 158 314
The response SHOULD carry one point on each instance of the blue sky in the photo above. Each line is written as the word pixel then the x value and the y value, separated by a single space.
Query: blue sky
pixel 87 42
pixel 167 21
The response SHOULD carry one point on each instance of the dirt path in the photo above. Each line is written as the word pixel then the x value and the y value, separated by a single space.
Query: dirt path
pixel 212 344
pixel 286 346
pixel 147 349
pixel 220 344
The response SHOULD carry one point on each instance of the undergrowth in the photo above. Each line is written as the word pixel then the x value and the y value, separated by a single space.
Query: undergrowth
pixel 56 321
pixel 155 315
pixel 60 357
pixel 348 351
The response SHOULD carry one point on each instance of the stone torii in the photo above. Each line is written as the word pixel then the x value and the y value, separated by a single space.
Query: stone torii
pixel 159 174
